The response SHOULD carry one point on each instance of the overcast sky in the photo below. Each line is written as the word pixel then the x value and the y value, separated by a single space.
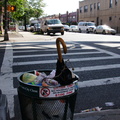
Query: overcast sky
pixel 60 6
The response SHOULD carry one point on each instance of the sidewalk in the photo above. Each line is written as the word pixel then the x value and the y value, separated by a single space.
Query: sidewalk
pixel 111 114
pixel 11 35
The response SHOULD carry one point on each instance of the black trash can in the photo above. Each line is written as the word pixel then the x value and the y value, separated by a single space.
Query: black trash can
pixel 47 103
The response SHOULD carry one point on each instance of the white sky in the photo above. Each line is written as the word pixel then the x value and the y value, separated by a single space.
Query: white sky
pixel 60 6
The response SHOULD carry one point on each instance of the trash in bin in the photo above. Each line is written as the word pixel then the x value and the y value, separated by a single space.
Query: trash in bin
pixel 40 79
pixel 49 94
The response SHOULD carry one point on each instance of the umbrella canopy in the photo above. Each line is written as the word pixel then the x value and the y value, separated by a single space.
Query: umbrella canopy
pixel 60 63
pixel 63 75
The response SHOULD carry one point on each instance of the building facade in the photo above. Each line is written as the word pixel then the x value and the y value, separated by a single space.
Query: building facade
pixel 67 18
pixel 101 12
pixel 70 18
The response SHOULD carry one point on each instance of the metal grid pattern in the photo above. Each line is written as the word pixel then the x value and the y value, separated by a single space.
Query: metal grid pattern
pixel 47 109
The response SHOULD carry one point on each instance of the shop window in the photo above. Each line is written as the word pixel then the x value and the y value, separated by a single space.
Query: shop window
pixel 85 8
pixel 98 6
pixel 110 5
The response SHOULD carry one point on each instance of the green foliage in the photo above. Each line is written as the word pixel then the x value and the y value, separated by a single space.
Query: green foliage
pixel 18 14
pixel 1 5
pixel 27 8
pixel 36 7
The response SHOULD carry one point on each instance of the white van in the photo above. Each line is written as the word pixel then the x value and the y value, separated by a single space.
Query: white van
pixel 52 26
pixel 86 27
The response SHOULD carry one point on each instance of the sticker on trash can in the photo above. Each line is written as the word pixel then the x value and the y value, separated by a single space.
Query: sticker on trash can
pixel 45 92
pixel 57 91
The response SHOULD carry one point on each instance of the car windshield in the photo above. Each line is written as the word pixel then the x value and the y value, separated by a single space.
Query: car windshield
pixel 37 25
pixel 107 27
pixel 73 26
pixel 91 24
pixel 55 21
pixel 66 26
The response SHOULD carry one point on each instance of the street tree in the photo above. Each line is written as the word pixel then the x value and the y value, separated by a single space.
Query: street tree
pixel 25 9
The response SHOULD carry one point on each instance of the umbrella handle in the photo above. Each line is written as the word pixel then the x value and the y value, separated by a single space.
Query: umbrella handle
pixel 58 41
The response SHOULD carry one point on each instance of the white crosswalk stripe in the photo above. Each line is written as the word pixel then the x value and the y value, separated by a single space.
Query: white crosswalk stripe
pixel 77 69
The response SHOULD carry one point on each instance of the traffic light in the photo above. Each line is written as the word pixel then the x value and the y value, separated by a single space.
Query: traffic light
pixel 11 8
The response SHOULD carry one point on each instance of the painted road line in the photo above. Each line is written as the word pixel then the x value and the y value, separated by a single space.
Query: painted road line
pixel 72 60
pixel 100 67
pixel 70 47
pixel 89 68
pixel 83 46
pixel 38 49
pixel 6 82
pixel 98 82
pixel 31 46
pixel 105 51
pixel 42 55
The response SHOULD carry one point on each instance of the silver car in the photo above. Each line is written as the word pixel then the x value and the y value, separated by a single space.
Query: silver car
pixel 73 28
pixel 104 29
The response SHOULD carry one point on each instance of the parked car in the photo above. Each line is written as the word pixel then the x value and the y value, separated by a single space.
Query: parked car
pixel 37 27
pixel 86 27
pixel 28 27
pixel 73 28
pixel 104 29
pixel 21 27
pixel 66 28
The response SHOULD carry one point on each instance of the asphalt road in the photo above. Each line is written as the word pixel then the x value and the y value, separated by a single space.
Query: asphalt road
pixel 95 58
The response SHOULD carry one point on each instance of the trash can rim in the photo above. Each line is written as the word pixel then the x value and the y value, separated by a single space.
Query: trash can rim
pixel 42 70
pixel 52 91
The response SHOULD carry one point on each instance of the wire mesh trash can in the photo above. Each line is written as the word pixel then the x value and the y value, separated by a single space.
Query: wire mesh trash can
pixel 47 103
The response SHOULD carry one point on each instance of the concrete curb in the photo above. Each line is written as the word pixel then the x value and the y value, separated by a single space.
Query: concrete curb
pixel 97 113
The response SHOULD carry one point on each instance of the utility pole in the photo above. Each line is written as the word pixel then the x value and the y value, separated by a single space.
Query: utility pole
pixel 6 37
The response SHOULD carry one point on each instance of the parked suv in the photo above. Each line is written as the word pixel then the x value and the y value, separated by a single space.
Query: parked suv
pixel 86 27
pixel 52 26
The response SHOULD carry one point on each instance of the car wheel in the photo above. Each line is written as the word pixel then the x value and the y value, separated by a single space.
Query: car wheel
pixel 41 32
pixel 104 32
pixel 48 33
pixel 113 33
pixel 31 30
pixel 62 33
pixel 87 31
pixel 95 32
pixel 80 30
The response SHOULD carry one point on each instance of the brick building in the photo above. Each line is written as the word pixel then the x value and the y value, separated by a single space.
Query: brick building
pixel 101 12
pixel 70 18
